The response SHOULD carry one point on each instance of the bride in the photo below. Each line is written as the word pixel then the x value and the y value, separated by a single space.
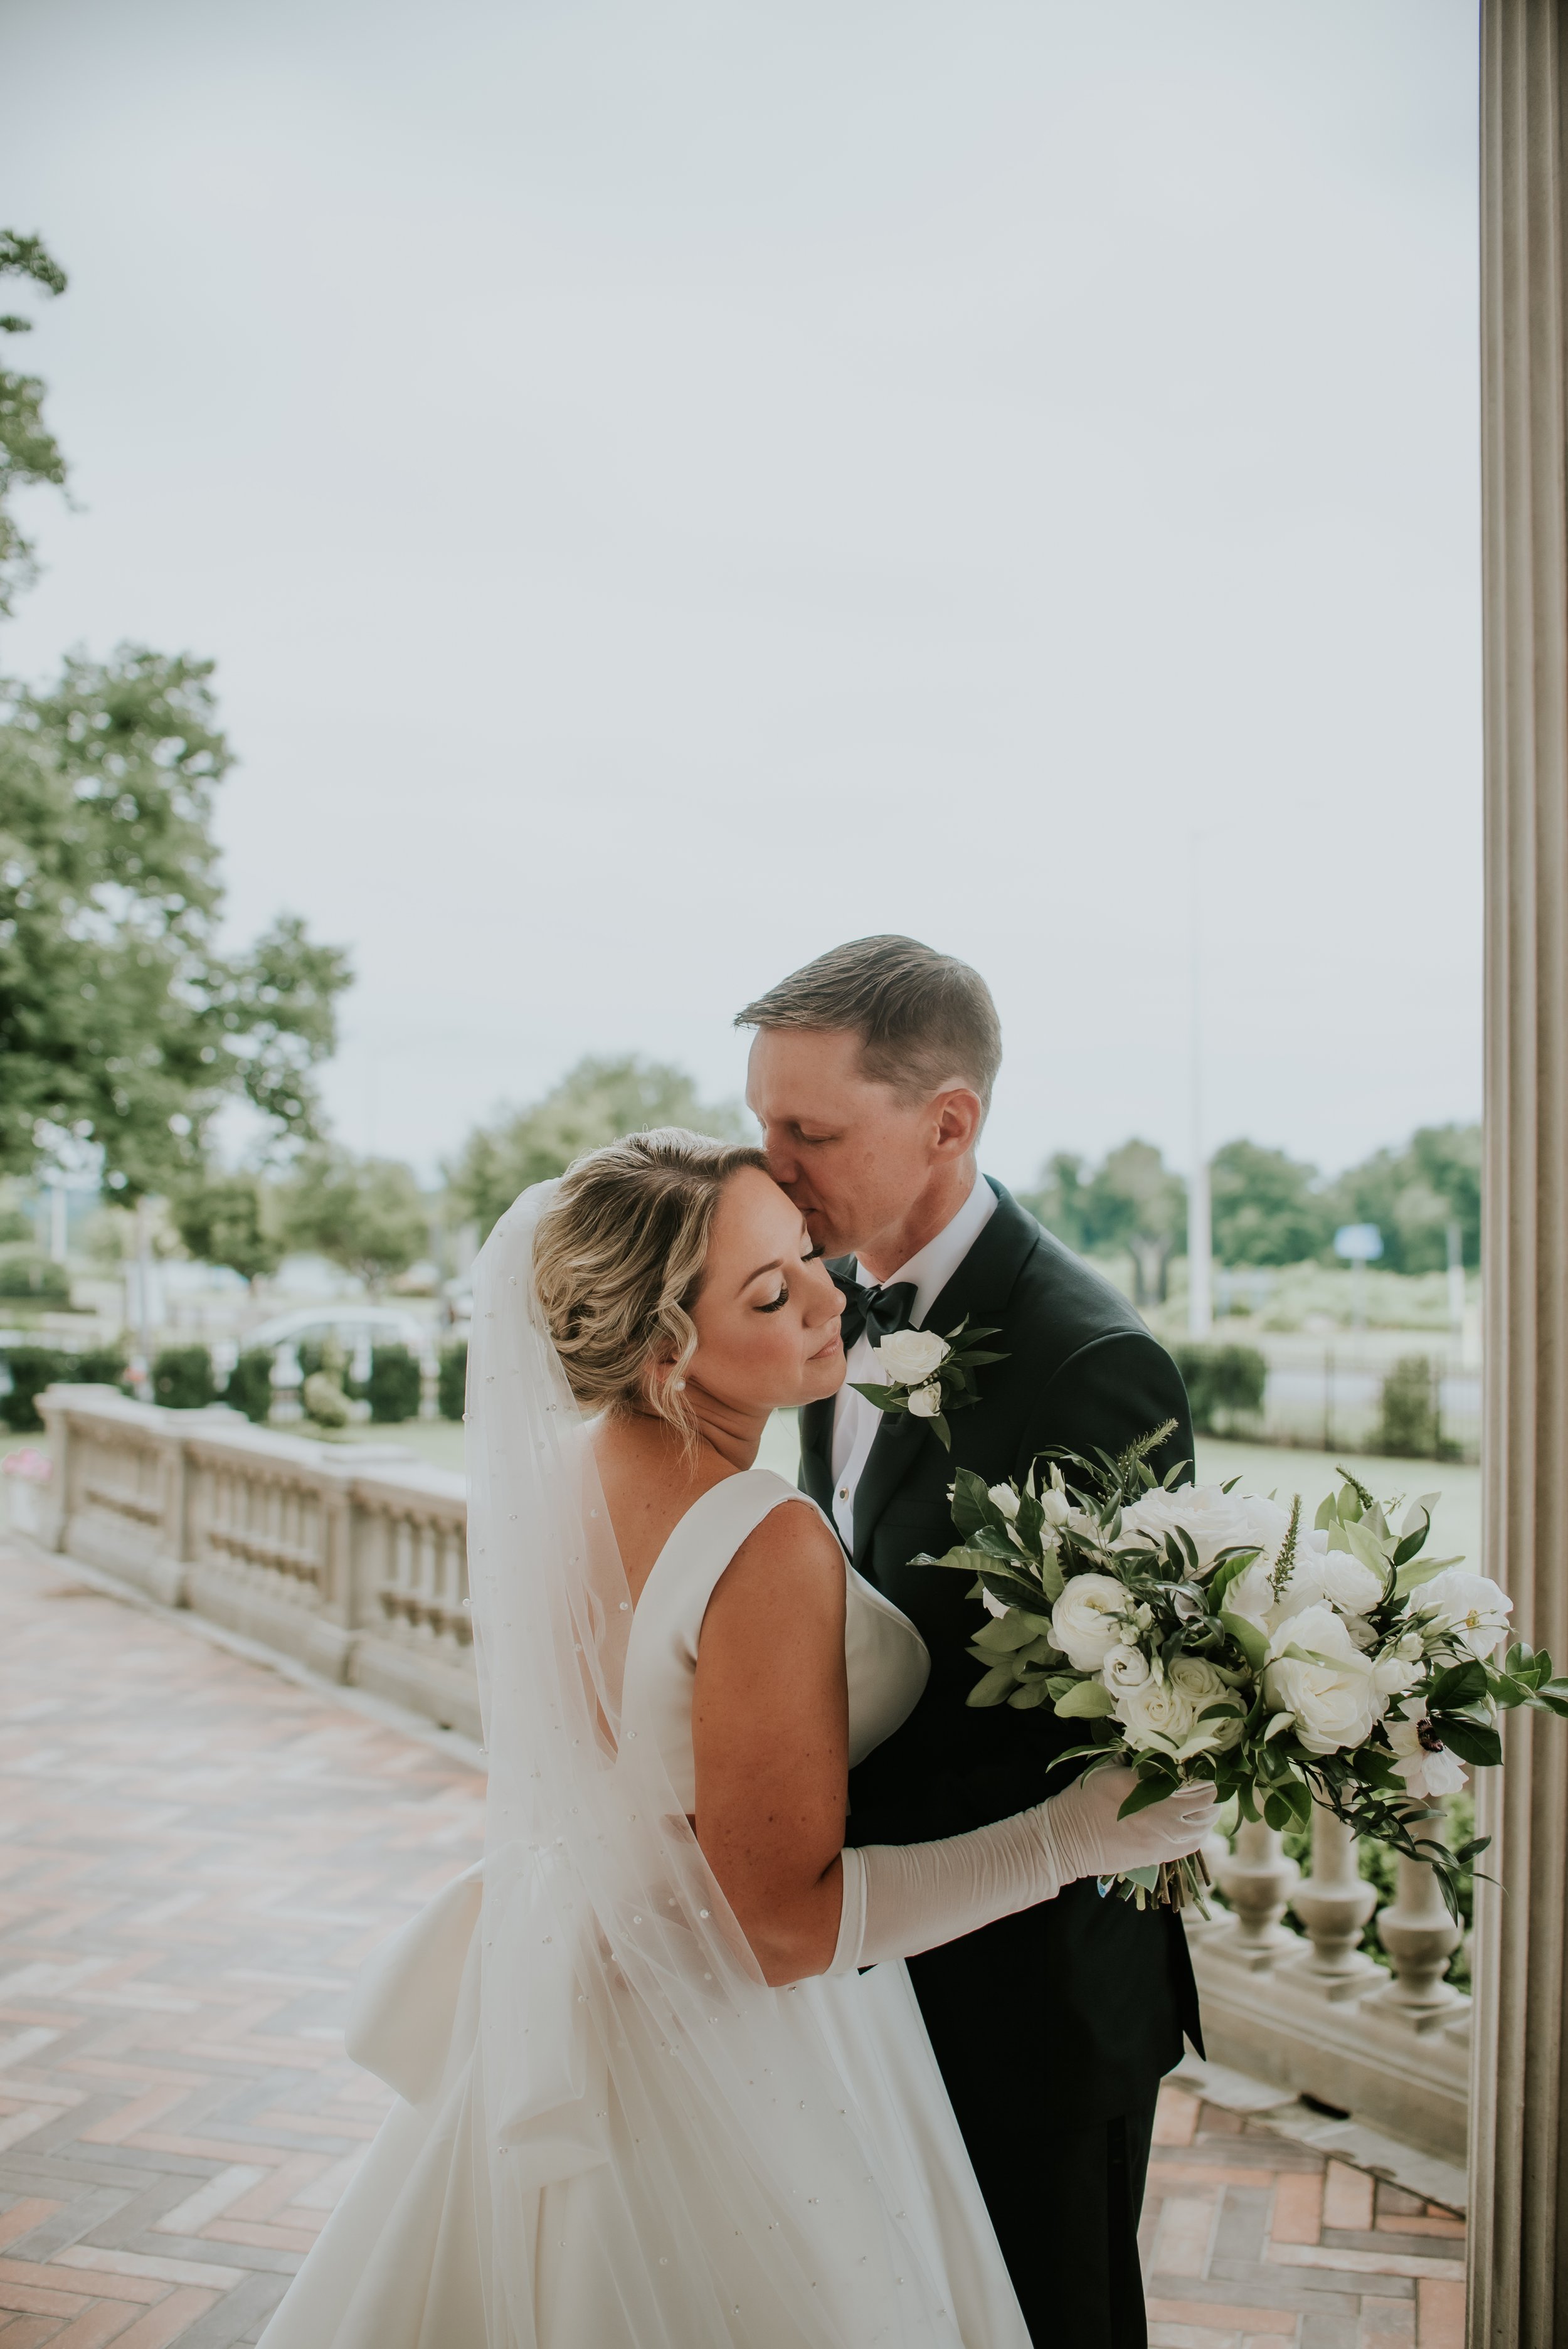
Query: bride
pixel 662 2081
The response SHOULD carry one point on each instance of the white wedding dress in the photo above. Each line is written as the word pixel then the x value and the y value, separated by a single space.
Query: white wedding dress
pixel 651 2210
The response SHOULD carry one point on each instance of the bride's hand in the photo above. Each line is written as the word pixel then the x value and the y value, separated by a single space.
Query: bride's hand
pixel 1084 1836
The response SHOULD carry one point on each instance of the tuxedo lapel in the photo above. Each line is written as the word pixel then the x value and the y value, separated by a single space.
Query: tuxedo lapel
pixel 978 1291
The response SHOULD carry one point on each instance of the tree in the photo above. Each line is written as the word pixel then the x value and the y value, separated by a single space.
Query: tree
pixel 233 1220
pixel 596 1102
pixel 29 454
pixel 1266 1206
pixel 1136 1203
pixel 367 1214
pixel 1133 1203
pixel 120 1022
pixel 1059 1202
pixel 1413 1195
pixel 122 1027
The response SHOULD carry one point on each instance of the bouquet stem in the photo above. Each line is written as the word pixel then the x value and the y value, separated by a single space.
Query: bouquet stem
pixel 1174 1884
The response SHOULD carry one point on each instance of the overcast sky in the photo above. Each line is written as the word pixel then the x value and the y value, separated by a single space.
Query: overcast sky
pixel 671 484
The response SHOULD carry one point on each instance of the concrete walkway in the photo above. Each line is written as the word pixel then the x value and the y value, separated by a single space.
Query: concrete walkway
pixel 195 1855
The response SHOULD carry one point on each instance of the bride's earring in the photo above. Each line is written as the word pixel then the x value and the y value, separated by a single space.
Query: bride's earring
pixel 677 1386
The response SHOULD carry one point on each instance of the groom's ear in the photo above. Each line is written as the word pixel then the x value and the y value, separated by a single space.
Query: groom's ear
pixel 960 1115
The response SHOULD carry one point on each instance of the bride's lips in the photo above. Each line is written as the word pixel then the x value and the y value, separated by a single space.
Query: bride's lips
pixel 835 1345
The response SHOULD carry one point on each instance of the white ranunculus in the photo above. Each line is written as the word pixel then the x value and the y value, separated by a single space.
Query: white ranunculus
pixel 908 1357
pixel 1002 1497
pixel 1196 1679
pixel 1215 1519
pixel 1470 1606
pixel 1126 1668
pixel 1086 1621
pixel 926 1402
pixel 1427 1769
pixel 1157 1715
pixel 1335 1701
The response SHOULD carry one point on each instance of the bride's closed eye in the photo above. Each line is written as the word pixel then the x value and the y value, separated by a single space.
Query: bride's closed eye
pixel 775 1304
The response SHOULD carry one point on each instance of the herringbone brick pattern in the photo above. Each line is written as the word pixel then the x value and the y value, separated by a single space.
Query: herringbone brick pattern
pixel 1251 2241
pixel 195 1855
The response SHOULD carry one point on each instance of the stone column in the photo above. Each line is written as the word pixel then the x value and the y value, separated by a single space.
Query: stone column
pixel 1519 2105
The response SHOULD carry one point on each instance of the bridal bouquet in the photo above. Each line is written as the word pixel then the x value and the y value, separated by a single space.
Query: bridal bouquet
pixel 1203 1633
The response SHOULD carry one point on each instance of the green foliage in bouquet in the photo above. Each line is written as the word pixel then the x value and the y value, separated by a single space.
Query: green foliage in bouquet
pixel 1201 1633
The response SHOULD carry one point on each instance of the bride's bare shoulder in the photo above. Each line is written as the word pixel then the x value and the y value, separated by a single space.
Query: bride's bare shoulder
pixel 792 1558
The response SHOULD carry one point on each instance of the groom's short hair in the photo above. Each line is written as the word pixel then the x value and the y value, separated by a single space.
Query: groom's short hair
pixel 922 1018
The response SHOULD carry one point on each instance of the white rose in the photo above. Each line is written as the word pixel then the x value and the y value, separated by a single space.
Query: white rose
pixel 1086 1620
pixel 1469 1607
pixel 1334 1703
pixel 926 1402
pixel 1156 1715
pixel 1203 1686
pixel 1395 1673
pixel 1057 1506
pixel 1125 1669
pixel 1215 1519
pixel 1251 1596
pixel 1002 1497
pixel 909 1357
pixel 1427 1767
pixel 1331 1576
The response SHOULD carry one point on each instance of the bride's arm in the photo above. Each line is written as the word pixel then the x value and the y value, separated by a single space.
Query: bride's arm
pixel 770 1736
pixel 770 1740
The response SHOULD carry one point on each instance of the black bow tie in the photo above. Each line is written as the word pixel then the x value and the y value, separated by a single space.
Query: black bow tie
pixel 878 1311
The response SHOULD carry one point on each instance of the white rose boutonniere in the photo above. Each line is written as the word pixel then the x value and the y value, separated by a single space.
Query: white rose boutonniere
pixel 928 1376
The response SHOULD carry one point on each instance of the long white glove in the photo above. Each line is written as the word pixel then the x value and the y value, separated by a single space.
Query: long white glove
pixel 901 1899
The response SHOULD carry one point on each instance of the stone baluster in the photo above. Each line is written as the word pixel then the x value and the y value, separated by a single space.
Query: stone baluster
pixel 1258 1881
pixel 287 1379
pixel 1215 1854
pixel 1420 1937
pixel 1334 1904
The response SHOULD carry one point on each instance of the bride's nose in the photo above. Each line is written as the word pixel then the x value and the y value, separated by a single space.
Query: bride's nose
pixel 827 1301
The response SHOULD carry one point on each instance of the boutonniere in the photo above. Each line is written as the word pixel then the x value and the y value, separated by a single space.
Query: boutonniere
pixel 928 1376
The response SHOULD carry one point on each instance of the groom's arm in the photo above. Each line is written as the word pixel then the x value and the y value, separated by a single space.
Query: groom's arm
pixel 1114 1390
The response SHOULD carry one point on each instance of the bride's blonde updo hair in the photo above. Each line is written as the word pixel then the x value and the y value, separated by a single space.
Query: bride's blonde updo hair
pixel 618 1258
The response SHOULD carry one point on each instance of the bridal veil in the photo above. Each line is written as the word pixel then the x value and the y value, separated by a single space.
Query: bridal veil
pixel 644 2106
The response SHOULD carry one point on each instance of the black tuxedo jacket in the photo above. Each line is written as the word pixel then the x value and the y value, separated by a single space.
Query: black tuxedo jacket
pixel 1113 1985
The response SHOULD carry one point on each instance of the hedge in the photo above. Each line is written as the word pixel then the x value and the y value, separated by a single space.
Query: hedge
pixel 393 1386
pixel 452 1380
pixel 183 1378
pixel 249 1387
pixel 1227 1380
pixel 34 1368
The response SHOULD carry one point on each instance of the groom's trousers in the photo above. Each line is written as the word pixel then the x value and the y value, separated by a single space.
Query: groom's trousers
pixel 1065 2200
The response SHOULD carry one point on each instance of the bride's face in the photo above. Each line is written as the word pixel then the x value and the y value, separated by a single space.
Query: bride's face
pixel 767 1314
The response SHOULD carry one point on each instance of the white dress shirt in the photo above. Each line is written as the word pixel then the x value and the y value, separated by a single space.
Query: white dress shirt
pixel 856 1419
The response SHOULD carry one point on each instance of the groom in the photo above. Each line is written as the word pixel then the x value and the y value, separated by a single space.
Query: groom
pixel 870 1075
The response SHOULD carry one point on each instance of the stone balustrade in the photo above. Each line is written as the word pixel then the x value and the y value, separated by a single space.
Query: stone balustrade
pixel 349 1558
pixel 1311 2010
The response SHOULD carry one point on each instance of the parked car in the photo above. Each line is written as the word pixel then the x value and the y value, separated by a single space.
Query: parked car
pixel 354 1326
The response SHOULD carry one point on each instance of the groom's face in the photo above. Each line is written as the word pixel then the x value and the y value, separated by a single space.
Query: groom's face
pixel 852 1153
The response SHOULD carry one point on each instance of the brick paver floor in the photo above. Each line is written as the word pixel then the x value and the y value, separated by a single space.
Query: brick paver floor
pixel 195 1855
